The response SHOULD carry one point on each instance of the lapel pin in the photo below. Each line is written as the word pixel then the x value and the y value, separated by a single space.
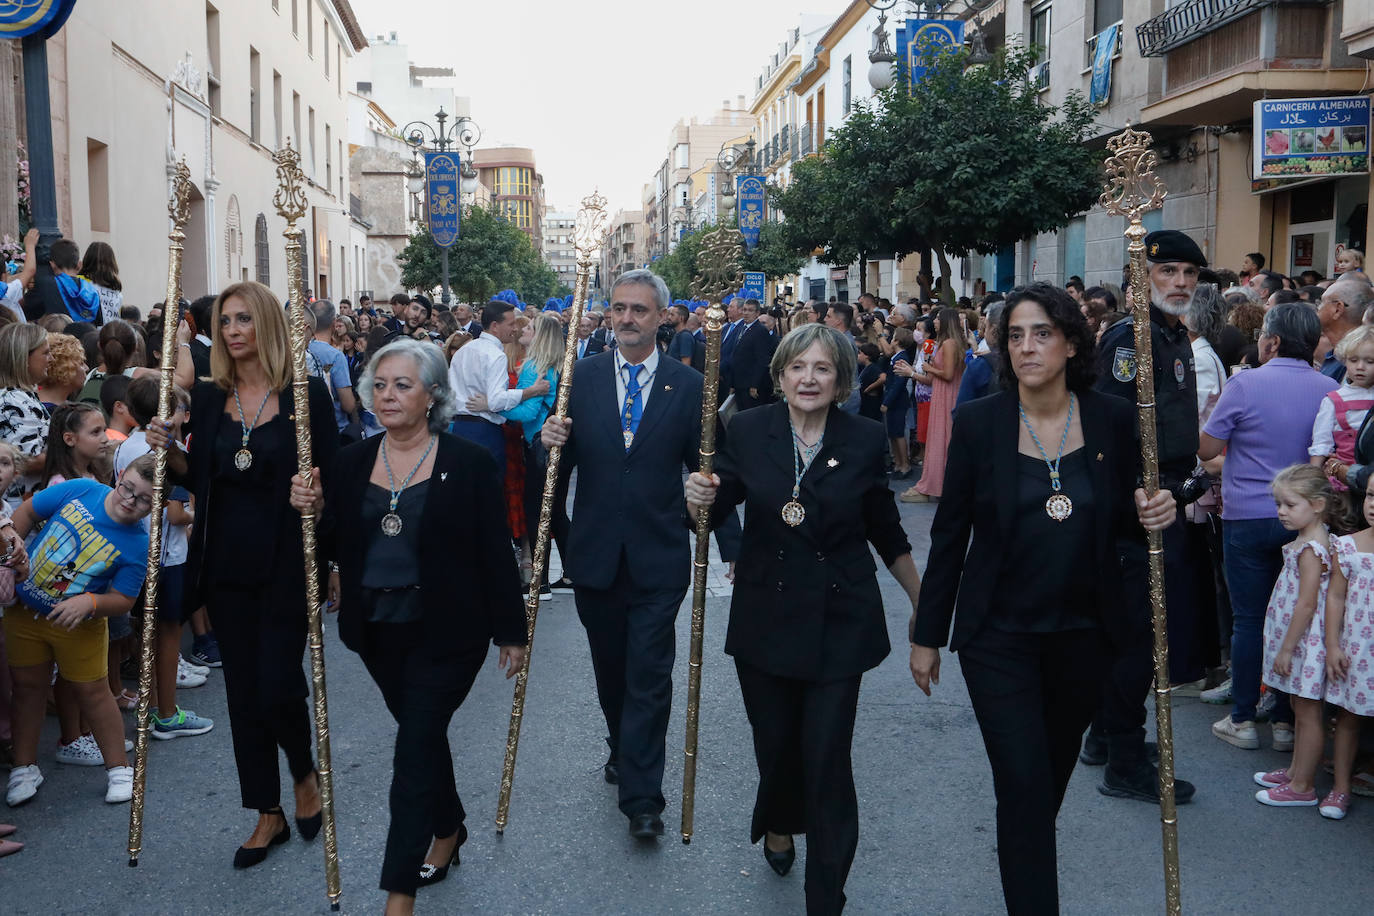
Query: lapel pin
pixel 1099 456
pixel 832 463
pixel 443 475
pixel 667 387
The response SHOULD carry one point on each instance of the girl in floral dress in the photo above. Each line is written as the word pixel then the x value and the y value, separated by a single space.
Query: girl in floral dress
pixel 1350 655
pixel 1294 627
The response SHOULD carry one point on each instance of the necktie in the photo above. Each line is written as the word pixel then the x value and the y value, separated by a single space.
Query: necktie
pixel 634 408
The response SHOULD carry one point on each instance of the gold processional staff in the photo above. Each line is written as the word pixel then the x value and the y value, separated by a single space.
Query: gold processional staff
pixel 1131 190
pixel 588 238
pixel 290 202
pixel 179 209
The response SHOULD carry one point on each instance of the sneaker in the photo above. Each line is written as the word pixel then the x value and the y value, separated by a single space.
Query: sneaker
pixel 1283 736
pixel 1273 779
pixel 119 784
pixel 23 785
pixel 83 752
pixel 184 724
pixel 1334 805
pixel 1265 708
pixel 1237 734
pixel 912 496
pixel 193 668
pixel 1189 689
pixel 206 652
pixel 1142 784
pixel 186 678
pixel 1362 784
pixel 545 593
pixel 1285 797
pixel 1218 695
pixel 563 586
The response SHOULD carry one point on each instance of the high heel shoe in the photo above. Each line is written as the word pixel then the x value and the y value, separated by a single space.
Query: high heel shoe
pixel 433 874
pixel 780 862
pixel 248 856
pixel 309 827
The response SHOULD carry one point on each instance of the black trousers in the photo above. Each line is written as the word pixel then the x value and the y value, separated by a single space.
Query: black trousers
pixel 803 734
pixel 631 633
pixel 423 685
pixel 262 642
pixel 536 468
pixel 1033 694
pixel 729 537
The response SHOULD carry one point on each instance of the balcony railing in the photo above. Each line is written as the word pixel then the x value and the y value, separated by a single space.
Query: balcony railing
pixel 787 142
pixel 1191 19
pixel 804 146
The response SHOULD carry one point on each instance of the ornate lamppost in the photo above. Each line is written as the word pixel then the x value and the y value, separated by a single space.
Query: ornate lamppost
pixel 881 58
pixel 423 137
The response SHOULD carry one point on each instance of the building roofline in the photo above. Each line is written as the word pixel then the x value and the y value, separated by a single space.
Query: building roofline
pixel 352 29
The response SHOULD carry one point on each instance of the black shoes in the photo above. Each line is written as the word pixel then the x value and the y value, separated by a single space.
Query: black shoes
pixel 247 857
pixel 1141 783
pixel 780 862
pixel 646 826
pixel 563 586
pixel 612 772
pixel 309 827
pixel 433 874
pixel 1094 753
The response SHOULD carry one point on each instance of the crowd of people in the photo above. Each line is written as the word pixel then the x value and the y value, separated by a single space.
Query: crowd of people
pixel 1012 415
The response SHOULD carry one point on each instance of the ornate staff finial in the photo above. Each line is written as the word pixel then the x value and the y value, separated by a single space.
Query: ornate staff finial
pixel 290 199
pixel 179 204
pixel 589 235
pixel 1132 188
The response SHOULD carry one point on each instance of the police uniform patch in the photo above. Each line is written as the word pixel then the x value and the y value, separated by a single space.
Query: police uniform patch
pixel 1123 364
pixel 1178 371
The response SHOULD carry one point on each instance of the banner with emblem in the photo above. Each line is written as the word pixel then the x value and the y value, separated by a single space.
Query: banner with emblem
pixel 19 18
pixel 441 197
pixel 751 194
pixel 921 37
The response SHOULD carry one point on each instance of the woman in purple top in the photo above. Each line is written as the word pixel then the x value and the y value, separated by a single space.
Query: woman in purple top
pixel 1263 421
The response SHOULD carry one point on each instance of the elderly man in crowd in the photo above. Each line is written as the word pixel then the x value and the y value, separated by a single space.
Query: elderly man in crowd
pixel 1343 307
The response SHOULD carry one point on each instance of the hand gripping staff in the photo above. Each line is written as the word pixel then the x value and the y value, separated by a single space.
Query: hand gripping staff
pixel 588 238
pixel 179 209
pixel 1131 190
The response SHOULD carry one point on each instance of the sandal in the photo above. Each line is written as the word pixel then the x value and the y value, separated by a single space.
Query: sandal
pixel 127 700
pixel 1363 784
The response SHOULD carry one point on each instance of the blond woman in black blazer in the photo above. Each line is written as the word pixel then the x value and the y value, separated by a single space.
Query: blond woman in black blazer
pixel 1042 475
pixel 806 616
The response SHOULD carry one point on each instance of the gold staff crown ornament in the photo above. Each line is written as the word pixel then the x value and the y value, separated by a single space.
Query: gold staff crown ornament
pixel 589 237
pixel 1132 189
pixel 290 202
pixel 179 210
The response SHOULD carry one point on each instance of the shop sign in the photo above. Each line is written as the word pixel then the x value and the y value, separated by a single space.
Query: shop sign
pixel 1309 138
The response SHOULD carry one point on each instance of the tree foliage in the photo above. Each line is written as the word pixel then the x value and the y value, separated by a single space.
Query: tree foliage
pixel 775 256
pixel 678 268
pixel 490 254
pixel 963 161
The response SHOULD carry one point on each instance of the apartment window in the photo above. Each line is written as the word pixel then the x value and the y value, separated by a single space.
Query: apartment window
pixel 518 212
pixel 254 95
pixel 1105 13
pixel 98 184
pixel 295 18
pixel 338 65
pixel 310 27
pixel 296 120
pixel 1040 42
pixel 846 98
pixel 511 180
pixel 276 6
pixel 310 169
pixel 262 254
pixel 276 110
pixel 341 171
pixel 328 157
pixel 212 42
pixel 684 154
pixel 325 45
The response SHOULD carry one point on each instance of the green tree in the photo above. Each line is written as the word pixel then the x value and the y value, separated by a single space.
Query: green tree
pixel 678 268
pixel 773 255
pixel 490 254
pixel 965 160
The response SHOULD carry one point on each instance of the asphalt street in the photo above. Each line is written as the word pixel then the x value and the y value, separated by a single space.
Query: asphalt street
pixel 927 838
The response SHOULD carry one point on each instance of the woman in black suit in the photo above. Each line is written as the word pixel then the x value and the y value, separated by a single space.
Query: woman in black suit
pixel 806 617
pixel 411 515
pixel 245 562
pixel 1042 474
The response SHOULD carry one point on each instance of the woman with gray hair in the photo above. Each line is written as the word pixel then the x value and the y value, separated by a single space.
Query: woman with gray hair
pixel 389 531
pixel 806 619
pixel 1205 318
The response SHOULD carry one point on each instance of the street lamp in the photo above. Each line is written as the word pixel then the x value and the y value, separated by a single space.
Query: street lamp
pixel 421 136
pixel 731 159
pixel 881 58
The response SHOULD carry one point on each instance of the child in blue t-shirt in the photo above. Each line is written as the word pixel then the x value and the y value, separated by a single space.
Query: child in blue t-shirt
pixel 87 564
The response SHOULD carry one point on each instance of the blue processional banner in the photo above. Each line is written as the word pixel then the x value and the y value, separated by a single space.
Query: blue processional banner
pixel 919 37
pixel 441 197
pixel 751 195
pixel 1101 91
pixel 19 18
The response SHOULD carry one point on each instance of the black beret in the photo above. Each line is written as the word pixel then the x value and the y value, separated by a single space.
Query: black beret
pixel 1165 245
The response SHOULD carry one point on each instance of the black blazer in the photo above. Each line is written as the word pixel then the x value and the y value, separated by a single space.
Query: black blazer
pixel 208 401
pixel 980 497
pixel 631 501
pixel 806 602
pixel 749 367
pixel 469 583
pixel 596 343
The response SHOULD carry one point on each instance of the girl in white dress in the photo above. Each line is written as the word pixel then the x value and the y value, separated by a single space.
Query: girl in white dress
pixel 1294 626
pixel 1350 655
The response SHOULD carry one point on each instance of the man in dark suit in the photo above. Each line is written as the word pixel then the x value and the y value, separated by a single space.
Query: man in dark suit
pixel 749 375
pixel 584 335
pixel 729 341
pixel 634 422
pixel 600 340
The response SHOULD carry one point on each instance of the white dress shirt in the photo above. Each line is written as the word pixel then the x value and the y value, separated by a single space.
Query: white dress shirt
pixel 480 366
pixel 648 369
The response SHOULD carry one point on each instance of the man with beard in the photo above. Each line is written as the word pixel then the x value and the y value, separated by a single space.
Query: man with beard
pixel 412 320
pixel 1117 736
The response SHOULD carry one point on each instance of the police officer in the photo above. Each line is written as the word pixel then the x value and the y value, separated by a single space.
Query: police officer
pixel 1117 736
